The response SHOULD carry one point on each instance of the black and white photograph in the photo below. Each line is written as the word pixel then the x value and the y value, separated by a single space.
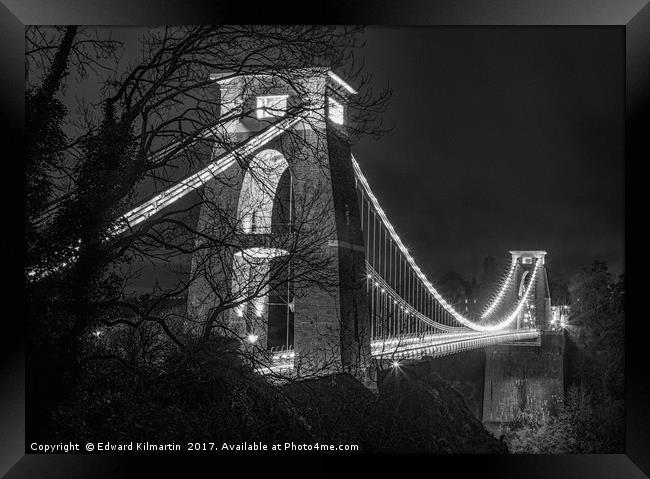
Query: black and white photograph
pixel 325 240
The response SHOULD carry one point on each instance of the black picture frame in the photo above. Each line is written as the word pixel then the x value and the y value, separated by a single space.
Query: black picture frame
pixel 632 16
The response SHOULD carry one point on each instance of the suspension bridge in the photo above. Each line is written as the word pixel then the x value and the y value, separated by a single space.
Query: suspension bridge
pixel 409 318
pixel 385 307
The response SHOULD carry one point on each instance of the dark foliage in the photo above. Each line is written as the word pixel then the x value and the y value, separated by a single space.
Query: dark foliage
pixel 591 419
pixel 205 394
pixel 208 395
pixel 413 413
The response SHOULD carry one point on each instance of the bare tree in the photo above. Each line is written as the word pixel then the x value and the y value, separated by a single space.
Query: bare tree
pixel 157 120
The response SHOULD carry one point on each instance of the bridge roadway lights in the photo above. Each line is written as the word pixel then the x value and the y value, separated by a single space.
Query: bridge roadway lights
pixel 442 345
pixel 281 362
pixel 447 344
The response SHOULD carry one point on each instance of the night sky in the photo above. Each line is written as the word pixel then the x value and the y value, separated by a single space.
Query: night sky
pixel 504 138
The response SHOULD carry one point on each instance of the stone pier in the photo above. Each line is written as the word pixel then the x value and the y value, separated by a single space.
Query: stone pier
pixel 522 377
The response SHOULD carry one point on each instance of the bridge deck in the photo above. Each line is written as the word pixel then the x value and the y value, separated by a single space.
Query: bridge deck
pixel 411 346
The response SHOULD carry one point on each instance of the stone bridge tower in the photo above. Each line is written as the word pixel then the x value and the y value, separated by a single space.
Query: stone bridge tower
pixel 537 314
pixel 290 201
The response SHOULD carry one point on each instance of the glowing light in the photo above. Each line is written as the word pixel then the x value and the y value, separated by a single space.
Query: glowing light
pixel 335 111
pixel 404 305
pixel 369 276
pixel 261 253
pixel 340 81
pixel 396 364
pixel 252 338
pixel 247 224
pixel 271 106
pixel 502 291
pixel 97 333
pixel 259 306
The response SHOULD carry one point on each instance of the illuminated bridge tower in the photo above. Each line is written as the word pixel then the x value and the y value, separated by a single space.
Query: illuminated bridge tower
pixel 296 184
pixel 536 314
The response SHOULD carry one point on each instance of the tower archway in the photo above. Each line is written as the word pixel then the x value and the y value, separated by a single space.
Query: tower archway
pixel 264 208
pixel 259 190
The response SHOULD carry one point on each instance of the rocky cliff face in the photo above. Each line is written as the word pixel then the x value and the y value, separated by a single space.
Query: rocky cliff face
pixel 415 411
